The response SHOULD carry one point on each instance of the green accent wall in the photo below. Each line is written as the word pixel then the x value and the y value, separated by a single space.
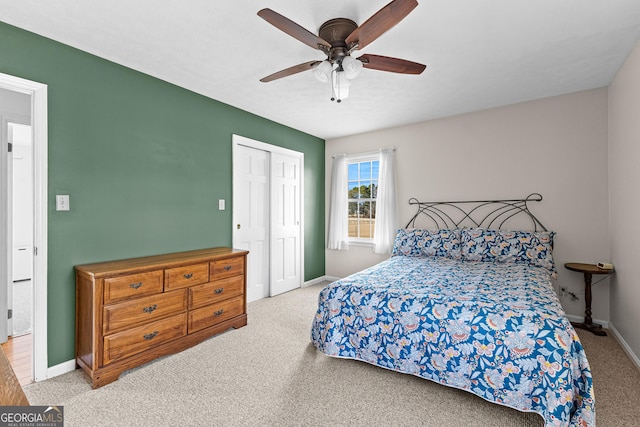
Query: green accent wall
pixel 144 163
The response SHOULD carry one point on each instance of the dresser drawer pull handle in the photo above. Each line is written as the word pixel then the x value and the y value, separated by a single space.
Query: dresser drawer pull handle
pixel 135 285
pixel 188 276
pixel 151 336
pixel 219 312
pixel 219 290
pixel 150 309
pixel 227 267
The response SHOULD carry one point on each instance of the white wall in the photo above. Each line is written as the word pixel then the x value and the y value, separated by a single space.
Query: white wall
pixel 554 146
pixel 624 194
pixel 15 103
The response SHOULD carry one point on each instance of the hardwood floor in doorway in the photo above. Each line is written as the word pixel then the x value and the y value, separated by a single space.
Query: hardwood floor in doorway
pixel 18 351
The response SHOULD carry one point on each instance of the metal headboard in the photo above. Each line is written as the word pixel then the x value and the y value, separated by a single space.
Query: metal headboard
pixel 477 213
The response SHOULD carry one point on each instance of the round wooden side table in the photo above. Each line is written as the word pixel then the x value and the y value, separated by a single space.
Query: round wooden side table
pixel 588 270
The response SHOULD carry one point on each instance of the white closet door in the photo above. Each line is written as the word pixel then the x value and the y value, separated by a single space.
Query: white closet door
pixel 251 216
pixel 285 223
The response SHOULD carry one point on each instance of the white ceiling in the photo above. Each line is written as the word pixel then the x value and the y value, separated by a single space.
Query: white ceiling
pixel 479 54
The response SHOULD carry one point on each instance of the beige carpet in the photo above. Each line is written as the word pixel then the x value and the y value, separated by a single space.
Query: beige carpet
pixel 268 373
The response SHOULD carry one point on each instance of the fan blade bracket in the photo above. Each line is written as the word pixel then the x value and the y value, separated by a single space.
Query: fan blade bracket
pixel 352 46
pixel 326 50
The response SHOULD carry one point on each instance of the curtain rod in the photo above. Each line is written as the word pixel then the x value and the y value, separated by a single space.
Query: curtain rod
pixel 368 153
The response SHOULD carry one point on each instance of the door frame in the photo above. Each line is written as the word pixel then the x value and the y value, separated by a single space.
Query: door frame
pixel 237 140
pixel 39 123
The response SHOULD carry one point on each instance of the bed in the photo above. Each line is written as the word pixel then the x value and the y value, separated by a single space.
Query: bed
pixel 467 307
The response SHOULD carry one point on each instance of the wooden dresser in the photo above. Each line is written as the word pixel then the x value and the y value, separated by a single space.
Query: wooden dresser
pixel 132 311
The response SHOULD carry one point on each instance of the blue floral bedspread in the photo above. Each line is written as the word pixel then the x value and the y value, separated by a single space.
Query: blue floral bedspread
pixel 496 330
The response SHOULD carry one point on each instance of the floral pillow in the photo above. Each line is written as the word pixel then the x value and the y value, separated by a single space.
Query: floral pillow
pixel 424 243
pixel 520 247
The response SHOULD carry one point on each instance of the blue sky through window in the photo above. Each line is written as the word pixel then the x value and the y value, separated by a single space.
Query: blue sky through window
pixel 363 173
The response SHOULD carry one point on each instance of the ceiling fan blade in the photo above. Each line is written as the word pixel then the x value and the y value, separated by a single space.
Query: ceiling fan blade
pixel 394 65
pixel 293 29
pixel 291 70
pixel 380 22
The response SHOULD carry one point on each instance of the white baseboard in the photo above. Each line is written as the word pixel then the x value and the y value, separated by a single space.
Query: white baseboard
pixel 634 357
pixel 61 368
pixel 313 281
pixel 319 280
pixel 580 319
pixel 608 325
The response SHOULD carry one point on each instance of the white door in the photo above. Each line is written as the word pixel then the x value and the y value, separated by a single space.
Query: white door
pixel 285 223
pixel 251 216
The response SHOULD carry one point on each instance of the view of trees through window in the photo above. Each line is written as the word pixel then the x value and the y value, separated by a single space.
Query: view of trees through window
pixel 363 189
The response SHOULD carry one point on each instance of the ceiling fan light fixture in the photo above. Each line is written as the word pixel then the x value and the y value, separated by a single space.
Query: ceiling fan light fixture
pixel 352 67
pixel 340 86
pixel 323 71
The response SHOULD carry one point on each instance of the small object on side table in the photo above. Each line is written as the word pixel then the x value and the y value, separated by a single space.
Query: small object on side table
pixel 588 270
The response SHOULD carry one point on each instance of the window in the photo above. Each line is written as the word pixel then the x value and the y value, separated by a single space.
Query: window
pixel 362 194
pixel 370 203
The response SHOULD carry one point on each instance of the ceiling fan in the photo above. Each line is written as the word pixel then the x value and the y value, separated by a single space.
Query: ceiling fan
pixel 340 37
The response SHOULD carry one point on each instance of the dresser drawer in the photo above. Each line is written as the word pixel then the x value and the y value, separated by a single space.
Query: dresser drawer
pixel 175 278
pixel 142 310
pixel 138 339
pixel 133 285
pixel 212 292
pixel 226 268
pixel 215 313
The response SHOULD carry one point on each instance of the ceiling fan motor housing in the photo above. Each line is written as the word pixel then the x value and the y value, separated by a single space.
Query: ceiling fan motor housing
pixel 335 31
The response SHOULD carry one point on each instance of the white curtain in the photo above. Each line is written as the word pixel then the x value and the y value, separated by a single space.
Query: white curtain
pixel 339 205
pixel 386 207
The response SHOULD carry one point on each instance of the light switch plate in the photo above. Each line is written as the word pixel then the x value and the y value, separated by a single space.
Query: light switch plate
pixel 62 202
pixel 221 204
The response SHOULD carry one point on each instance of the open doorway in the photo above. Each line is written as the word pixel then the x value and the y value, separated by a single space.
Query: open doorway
pixel 23 260
pixel 16 134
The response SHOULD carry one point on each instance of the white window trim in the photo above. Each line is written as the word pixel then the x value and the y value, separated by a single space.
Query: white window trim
pixel 357 158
